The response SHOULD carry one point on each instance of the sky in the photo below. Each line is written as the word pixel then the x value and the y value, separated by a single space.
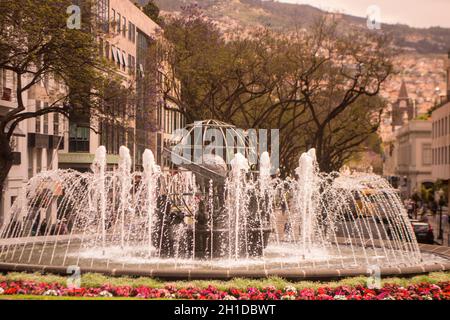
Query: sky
pixel 416 13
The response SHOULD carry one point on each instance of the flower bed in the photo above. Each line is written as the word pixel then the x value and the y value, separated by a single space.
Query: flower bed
pixel 422 291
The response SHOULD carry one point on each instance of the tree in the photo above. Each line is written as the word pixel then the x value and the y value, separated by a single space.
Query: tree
pixel 318 87
pixel 152 11
pixel 340 74
pixel 37 46
pixel 216 77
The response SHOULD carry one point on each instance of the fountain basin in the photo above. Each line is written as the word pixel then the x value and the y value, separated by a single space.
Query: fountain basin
pixel 435 258
pixel 171 226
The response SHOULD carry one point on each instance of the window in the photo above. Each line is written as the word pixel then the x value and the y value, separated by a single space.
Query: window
pixel 30 163
pixel 113 20
pixel 445 155
pixel 116 56
pixel 175 122
pixel 78 138
pixel 119 21
pixel 46 119
pixel 124 29
pixel 103 14
pixel 124 60
pixel 56 124
pixel 38 119
pixel 446 126
pixel 426 155
pixel 131 32
pixel 130 64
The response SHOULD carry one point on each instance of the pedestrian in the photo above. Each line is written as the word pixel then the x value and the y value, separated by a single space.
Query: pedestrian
pixel 434 207
pixel 410 208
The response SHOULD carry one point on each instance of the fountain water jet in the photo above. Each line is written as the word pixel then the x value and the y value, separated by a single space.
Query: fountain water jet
pixel 164 220
pixel 150 180
pixel 98 168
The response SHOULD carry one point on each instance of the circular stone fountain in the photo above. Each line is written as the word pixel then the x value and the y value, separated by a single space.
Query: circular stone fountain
pixel 170 225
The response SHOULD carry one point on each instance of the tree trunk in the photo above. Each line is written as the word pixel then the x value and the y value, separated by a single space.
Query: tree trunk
pixel 6 162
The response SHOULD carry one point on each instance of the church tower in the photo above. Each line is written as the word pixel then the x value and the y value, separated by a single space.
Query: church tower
pixel 403 109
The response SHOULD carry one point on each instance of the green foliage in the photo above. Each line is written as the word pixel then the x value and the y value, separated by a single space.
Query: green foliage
pixel 37 46
pixel 319 87
pixel 152 11
pixel 426 194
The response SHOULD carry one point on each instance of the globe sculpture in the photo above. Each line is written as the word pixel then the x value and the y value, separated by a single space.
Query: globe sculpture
pixel 212 218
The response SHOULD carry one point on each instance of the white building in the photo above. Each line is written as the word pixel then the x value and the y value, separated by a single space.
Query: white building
pixel 441 137
pixel 52 142
pixel 414 156
pixel 35 141
pixel 132 35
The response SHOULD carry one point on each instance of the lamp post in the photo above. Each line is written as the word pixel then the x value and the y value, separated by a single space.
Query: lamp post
pixel 441 200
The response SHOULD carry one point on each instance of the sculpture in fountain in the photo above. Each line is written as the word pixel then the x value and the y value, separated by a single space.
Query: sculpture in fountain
pixel 153 219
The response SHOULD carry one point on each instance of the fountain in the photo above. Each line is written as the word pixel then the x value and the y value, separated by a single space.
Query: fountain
pixel 180 224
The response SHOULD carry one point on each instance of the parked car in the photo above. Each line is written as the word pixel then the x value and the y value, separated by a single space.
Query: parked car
pixel 423 232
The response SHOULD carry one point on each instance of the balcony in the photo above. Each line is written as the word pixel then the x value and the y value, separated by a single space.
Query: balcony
pixel 38 140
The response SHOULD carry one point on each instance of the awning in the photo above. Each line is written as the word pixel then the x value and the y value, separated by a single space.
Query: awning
pixel 119 56
pixel 124 58
pixel 113 53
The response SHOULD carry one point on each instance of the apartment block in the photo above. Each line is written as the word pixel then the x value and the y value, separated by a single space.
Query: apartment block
pixel 35 141
pixel 414 156
pixel 51 141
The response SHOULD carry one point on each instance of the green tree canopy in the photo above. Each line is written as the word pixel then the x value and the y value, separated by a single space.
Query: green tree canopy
pixel 37 46
pixel 319 87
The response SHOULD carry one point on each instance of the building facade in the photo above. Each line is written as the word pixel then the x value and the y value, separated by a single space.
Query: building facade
pixel 35 142
pixel 398 114
pixel 51 141
pixel 132 39
pixel 441 142
pixel 414 156
pixel 441 137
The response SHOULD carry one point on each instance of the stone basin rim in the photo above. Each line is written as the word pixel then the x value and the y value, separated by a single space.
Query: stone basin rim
pixel 171 274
